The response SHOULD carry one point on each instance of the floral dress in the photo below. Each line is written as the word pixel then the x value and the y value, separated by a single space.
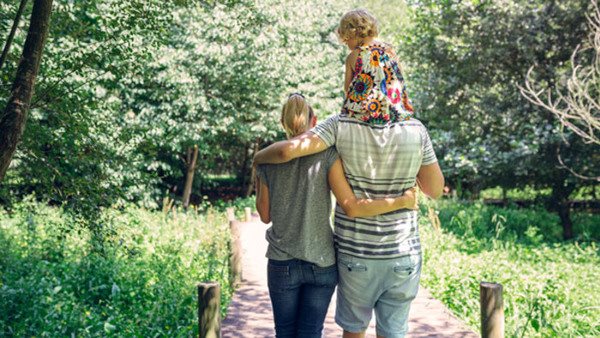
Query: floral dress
pixel 377 93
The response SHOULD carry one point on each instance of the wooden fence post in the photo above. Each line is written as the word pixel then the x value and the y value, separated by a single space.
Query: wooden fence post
pixel 248 214
pixel 209 310
pixel 230 214
pixel 235 258
pixel 492 310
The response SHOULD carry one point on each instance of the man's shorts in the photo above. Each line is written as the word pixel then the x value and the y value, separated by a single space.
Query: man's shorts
pixel 385 285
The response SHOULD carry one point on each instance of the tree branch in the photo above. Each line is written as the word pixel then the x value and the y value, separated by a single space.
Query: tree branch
pixel 577 107
pixel 11 35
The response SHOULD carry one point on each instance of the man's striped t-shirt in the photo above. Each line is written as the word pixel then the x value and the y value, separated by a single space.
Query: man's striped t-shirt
pixel 379 161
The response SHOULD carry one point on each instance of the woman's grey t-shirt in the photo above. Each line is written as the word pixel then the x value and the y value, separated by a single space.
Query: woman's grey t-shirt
pixel 300 207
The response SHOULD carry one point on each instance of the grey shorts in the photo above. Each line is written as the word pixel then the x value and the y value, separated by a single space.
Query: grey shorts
pixel 385 285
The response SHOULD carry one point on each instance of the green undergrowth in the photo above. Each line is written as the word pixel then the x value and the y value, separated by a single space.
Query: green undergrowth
pixel 550 286
pixel 135 277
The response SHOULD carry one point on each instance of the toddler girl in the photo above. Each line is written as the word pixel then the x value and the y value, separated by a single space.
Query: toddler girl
pixel 374 85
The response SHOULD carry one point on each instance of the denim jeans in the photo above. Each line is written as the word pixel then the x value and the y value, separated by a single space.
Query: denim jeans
pixel 300 294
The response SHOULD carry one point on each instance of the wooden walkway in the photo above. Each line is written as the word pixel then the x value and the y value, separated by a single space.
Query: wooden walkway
pixel 250 313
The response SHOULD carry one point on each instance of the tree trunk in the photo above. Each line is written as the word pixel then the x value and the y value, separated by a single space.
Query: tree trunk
pixel 243 169
pixel 564 212
pixel 559 201
pixel 12 121
pixel 192 156
pixel 250 188
pixel 13 30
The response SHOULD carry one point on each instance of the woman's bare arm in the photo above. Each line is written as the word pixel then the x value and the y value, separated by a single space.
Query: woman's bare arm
pixel 431 180
pixel 354 207
pixel 262 201
pixel 304 144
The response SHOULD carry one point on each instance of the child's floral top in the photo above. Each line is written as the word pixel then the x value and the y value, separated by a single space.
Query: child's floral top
pixel 377 93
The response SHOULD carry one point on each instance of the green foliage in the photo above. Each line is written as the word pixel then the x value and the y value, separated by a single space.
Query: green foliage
pixel 476 220
pixel 587 193
pixel 55 280
pixel 525 193
pixel 126 87
pixel 76 149
pixel 467 59
pixel 549 287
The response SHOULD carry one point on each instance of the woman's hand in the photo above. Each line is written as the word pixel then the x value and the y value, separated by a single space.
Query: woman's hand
pixel 411 198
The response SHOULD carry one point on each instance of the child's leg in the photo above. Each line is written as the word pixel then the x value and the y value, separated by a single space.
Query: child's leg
pixel 284 279
pixel 315 298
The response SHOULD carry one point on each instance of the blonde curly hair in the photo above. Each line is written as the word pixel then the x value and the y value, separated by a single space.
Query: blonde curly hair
pixel 358 23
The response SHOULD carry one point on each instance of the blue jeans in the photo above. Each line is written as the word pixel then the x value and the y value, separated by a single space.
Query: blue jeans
pixel 300 294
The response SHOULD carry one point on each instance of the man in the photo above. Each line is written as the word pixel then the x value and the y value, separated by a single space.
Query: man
pixel 379 258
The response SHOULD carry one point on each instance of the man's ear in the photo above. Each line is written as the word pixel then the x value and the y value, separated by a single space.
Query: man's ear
pixel 313 121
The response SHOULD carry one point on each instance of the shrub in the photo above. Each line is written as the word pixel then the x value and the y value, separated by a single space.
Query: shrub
pixel 140 280
pixel 549 286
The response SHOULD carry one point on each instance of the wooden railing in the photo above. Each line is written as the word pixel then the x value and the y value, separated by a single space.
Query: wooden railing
pixel 209 294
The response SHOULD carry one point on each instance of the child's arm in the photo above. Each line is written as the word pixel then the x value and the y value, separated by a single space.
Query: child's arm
pixel 354 207
pixel 350 64
pixel 262 201
pixel 304 144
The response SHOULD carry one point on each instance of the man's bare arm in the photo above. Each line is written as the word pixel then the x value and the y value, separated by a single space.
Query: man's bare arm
pixel 304 144
pixel 431 180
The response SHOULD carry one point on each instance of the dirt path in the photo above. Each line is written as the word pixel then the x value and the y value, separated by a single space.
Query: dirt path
pixel 250 313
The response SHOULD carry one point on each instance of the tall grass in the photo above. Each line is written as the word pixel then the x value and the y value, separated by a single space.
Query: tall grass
pixel 58 280
pixel 550 286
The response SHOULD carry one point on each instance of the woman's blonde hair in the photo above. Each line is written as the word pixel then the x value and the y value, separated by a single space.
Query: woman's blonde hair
pixel 358 23
pixel 296 115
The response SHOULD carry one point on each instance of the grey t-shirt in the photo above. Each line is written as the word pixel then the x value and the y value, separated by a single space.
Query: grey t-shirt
pixel 300 207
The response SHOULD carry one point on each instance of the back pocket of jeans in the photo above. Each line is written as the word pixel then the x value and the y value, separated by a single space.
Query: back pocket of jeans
pixel 326 269
pixel 407 265
pixel 351 266
pixel 278 277
pixel 326 276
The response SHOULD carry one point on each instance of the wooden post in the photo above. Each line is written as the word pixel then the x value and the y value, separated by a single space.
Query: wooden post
pixel 235 258
pixel 248 214
pixel 209 310
pixel 230 214
pixel 492 310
